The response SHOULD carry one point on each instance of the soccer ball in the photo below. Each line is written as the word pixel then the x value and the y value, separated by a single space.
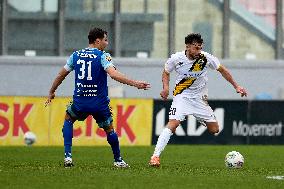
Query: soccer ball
pixel 29 138
pixel 234 159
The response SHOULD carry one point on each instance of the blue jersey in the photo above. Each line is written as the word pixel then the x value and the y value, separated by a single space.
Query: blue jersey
pixel 91 91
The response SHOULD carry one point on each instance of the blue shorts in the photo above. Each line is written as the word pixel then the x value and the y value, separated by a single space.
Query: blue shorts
pixel 103 116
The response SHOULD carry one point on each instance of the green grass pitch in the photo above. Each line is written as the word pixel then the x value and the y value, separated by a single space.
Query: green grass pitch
pixel 182 166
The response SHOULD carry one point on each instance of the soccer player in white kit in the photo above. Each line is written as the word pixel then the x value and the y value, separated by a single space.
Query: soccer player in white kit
pixel 191 92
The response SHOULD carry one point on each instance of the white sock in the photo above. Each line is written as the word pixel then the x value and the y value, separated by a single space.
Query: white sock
pixel 162 141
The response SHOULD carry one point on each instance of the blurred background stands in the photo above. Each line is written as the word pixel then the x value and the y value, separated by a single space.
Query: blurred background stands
pixel 232 29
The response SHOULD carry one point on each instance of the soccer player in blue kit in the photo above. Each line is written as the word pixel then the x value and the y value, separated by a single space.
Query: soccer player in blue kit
pixel 91 66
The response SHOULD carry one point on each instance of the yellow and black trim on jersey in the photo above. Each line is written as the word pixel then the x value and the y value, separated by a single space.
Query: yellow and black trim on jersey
pixel 185 83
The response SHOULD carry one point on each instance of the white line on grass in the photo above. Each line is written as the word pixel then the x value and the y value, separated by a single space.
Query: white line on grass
pixel 276 177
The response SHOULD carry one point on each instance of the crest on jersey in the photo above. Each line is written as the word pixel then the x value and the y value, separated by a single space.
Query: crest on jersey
pixel 199 64
pixel 108 58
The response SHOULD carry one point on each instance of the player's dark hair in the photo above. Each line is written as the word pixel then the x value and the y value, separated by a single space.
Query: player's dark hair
pixel 96 33
pixel 193 38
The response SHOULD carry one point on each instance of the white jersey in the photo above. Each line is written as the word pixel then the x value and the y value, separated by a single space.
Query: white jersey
pixel 191 74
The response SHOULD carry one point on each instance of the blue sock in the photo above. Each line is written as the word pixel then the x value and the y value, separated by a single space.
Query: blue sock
pixel 67 131
pixel 114 143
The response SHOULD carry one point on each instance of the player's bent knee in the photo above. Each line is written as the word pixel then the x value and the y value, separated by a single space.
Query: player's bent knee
pixel 173 124
pixel 69 118
pixel 214 130
pixel 108 128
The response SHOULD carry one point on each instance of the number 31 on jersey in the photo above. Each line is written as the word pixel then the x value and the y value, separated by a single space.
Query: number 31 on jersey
pixel 83 73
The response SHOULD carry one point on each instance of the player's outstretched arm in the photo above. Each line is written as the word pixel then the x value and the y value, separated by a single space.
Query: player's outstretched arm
pixel 227 75
pixel 58 80
pixel 116 75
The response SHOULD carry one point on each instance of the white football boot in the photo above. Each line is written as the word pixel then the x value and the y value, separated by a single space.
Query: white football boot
pixel 120 163
pixel 68 162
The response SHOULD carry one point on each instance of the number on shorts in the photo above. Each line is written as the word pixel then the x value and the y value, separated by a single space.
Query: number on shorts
pixel 172 111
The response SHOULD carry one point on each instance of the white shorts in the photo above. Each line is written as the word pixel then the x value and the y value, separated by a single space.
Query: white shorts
pixel 183 106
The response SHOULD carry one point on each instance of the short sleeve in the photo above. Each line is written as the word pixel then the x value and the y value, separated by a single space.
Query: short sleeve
pixel 69 66
pixel 170 64
pixel 106 61
pixel 213 61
